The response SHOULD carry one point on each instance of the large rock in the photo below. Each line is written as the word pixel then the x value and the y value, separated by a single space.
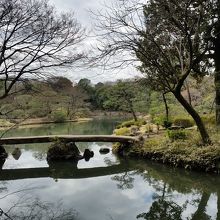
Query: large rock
pixel 88 154
pixel 61 151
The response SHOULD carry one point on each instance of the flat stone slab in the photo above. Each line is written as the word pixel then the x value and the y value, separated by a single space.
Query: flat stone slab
pixel 68 138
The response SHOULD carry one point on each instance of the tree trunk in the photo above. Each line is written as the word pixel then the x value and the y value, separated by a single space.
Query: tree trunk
pixel 188 92
pixel 217 63
pixel 133 113
pixel 166 107
pixel 195 116
pixel 217 80
pixel 132 110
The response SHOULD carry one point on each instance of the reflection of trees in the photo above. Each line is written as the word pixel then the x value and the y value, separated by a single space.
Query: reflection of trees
pixel 27 207
pixel 183 182
pixel 163 208
pixel 3 187
pixel 38 210
pixel 125 181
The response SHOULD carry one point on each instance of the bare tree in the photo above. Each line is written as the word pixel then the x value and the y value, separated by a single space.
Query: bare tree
pixel 35 40
pixel 76 101
pixel 163 37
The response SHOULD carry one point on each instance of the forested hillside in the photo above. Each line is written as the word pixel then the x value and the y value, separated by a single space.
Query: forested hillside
pixel 59 99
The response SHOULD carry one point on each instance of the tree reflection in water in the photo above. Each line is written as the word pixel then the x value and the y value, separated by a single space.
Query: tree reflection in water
pixel 167 184
pixel 27 207
pixel 171 189
pixel 163 209
pixel 125 180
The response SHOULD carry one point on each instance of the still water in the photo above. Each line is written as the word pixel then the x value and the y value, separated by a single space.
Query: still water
pixel 104 188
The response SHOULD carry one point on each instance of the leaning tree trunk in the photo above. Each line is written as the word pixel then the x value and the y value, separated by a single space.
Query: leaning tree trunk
pixel 188 92
pixel 131 108
pixel 166 107
pixel 133 113
pixel 195 116
pixel 217 80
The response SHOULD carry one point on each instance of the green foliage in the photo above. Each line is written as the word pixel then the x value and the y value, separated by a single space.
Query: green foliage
pixel 59 116
pixel 161 120
pixel 167 124
pixel 183 122
pixel 120 96
pixel 158 119
pixel 122 131
pixel 176 134
pixel 130 123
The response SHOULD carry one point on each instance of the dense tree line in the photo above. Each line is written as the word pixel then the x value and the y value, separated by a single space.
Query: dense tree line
pixel 42 98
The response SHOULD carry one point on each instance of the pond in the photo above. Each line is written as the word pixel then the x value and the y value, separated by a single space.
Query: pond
pixel 104 188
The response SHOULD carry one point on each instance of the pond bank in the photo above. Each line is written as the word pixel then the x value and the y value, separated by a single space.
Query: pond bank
pixel 185 151
pixel 33 122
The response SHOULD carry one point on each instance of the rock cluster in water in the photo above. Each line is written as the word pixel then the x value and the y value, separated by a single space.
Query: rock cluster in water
pixel 61 151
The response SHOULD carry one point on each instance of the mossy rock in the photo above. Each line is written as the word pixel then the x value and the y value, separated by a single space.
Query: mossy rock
pixel 61 151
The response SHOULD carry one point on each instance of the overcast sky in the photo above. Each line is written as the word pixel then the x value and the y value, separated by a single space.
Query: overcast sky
pixel 81 10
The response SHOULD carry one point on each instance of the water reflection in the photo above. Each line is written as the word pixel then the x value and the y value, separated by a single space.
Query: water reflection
pixel 103 126
pixel 16 153
pixel 26 206
pixel 105 188
pixel 162 208
pixel 168 182
pixel 164 196
pixel 64 170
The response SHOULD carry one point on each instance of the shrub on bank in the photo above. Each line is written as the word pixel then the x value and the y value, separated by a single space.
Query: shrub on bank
pixel 176 134
pixel 160 120
pixel 59 116
pixel 122 131
pixel 130 123
pixel 183 122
